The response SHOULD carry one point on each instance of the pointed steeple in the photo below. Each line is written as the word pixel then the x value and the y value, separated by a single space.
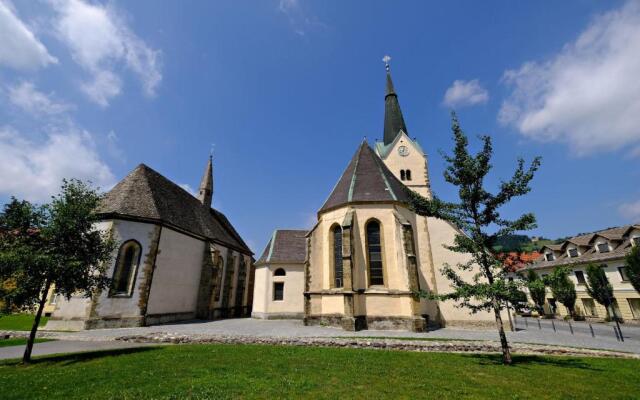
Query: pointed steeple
pixel 393 120
pixel 205 194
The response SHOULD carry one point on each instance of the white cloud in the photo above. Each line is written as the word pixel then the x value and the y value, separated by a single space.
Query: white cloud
pixel 465 93
pixel 630 211
pixel 588 94
pixel 100 41
pixel 300 21
pixel 28 98
pixel 19 48
pixel 34 171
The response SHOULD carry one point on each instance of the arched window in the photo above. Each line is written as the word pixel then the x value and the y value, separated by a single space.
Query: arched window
pixel 408 174
pixel 279 272
pixel 126 268
pixel 402 175
pixel 336 234
pixel 374 252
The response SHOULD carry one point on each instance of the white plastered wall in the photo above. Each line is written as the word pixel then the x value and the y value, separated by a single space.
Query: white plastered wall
pixel 176 278
pixel 292 305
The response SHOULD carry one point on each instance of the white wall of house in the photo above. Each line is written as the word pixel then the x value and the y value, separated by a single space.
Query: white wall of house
pixel 292 305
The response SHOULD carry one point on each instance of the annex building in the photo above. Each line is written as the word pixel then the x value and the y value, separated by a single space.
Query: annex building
pixel 607 249
pixel 368 252
pixel 178 259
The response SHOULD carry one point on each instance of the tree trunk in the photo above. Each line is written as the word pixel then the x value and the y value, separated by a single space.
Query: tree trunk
pixel 26 358
pixel 506 353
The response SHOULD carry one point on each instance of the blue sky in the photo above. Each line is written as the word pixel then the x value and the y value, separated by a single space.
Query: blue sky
pixel 286 90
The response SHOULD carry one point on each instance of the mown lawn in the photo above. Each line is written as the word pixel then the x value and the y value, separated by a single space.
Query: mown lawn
pixel 19 341
pixel 252 371
pixel 19 322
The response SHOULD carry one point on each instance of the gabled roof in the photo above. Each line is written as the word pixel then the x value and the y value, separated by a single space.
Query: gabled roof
pixel 383 149
pixel 285 246
pixel 620 247
pixel 146 195
pixel 366 180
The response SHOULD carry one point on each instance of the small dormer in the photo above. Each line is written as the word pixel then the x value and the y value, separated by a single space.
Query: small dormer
pixel 573 251
pixel 633 234
pixel 549 256
pixel 602 245
pixel 549 253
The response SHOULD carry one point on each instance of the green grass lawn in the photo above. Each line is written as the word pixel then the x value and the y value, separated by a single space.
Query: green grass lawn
pixel 19 322
pixel 19 341
pixel 253 371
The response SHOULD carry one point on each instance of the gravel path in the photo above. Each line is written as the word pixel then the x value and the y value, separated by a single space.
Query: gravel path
pixel 295 328
pixel 66 346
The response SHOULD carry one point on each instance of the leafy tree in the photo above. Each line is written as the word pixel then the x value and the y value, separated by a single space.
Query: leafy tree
pixel 53 245
pixel 599 288
pixel 537 290
pixel 563 288
pixel 476 214
pixel 633 267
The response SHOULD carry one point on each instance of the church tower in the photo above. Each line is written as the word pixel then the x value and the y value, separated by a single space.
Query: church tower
pixel 205 194
pixel 401 154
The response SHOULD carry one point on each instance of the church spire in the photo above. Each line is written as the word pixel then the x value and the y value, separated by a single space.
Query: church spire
pixel 393 120
pixel 205 194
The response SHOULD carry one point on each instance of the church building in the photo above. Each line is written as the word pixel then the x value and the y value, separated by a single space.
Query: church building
pixel 177 259
pixel 368 252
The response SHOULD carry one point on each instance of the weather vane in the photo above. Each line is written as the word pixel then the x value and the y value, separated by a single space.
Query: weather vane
pixel 386 60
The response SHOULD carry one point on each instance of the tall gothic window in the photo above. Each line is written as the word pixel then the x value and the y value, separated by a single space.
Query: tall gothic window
pixel 402 175
pixel 336 234
pixel 125 269
pixel 374 250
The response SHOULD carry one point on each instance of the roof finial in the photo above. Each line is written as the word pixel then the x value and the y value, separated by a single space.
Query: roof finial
pixel 386 60
pixel 213 146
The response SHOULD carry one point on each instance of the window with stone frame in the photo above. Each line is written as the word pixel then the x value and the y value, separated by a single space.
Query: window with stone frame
pixel 374 252
pixel 336 235
pixel 242 280
pixel 549 257
pixel 603 247
pixel 125 269
pixel 589 306
pixel 623 273
pixel 218 279
pixel 634 305
pixel 573 252
pixel 278 291
pixel 580 277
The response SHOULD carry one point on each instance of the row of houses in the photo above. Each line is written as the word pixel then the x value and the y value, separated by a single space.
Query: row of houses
pixel 607 249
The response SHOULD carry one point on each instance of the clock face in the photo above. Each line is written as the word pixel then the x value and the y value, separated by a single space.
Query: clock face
pixel 403 151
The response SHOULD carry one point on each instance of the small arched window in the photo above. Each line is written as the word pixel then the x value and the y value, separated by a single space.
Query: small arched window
pixel 336 234
pixel 279 272
pixel 402 175
pixel 374 251
pixel 126 268
pixel 407 174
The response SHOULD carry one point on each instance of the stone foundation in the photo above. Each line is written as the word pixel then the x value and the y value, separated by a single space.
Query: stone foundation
pixel 285 315
pixel 155 319
pixel 362 322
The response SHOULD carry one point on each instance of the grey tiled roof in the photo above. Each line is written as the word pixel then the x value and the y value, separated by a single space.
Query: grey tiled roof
pixel 619 243
pixel 145 194
pixel 366 179
pixel 285 246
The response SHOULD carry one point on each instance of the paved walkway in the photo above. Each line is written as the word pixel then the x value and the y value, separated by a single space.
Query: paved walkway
pixel 294 328
pixel 66 346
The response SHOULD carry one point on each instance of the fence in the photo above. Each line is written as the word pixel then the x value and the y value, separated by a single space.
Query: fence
pixel 569 327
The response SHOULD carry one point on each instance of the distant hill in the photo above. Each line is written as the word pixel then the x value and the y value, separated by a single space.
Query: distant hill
pixel 522 243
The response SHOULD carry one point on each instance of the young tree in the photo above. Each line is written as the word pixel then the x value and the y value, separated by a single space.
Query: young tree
pixel 599 288
pixel 477 214
pixel 537 291
pixel 54 245
pixel 633 267
pixel 563 289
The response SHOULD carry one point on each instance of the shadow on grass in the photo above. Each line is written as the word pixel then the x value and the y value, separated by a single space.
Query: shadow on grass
pixel 530 360
pixel 73 358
